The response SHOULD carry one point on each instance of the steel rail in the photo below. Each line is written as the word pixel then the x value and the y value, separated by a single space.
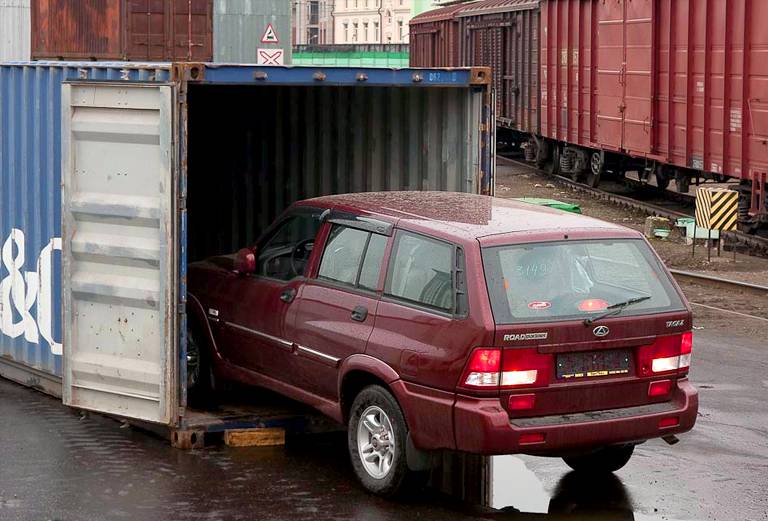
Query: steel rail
pixel 717 280
pixel 754 243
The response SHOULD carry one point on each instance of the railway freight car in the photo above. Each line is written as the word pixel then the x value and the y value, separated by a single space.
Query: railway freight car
pixel 674 90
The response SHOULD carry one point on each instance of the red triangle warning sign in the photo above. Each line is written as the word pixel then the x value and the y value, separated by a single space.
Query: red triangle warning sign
pixel 270 36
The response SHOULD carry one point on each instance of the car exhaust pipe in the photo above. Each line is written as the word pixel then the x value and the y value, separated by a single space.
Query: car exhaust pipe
pixel 671 439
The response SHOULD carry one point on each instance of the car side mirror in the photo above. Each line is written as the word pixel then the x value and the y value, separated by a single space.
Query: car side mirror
pixel 245 261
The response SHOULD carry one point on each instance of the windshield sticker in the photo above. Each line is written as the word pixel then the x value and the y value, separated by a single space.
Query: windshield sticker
pixel 539 304
pixel 526 336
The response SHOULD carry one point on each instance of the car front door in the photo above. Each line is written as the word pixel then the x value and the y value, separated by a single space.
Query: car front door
pixel 337 308
pixel 254 329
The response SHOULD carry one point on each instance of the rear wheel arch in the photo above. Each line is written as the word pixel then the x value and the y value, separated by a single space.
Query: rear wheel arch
pixel 357 373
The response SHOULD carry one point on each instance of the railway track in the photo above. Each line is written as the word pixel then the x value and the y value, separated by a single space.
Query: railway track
pixel 744 243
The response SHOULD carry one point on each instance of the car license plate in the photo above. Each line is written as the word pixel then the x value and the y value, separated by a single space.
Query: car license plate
pixel 593 363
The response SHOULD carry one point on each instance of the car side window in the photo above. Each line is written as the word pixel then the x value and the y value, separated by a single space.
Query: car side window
pixel 352 257
pixel 284 255
pixel 421 271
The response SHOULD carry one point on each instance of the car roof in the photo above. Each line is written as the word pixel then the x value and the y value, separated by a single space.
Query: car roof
pixel 466 216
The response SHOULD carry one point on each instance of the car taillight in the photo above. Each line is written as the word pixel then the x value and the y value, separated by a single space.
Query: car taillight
pixel 489 368
pixel 524 367
pixel 483 369
pixel 668 354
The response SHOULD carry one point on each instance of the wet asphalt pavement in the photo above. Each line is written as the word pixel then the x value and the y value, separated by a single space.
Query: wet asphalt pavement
pixel 56 465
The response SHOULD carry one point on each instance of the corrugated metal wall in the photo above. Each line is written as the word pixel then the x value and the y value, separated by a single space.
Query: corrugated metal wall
pixel 238 26
pixel 30 205
pixel 14 30
pixel 257 149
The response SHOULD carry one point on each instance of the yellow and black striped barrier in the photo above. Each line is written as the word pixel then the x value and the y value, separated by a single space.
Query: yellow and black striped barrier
pixel 717 209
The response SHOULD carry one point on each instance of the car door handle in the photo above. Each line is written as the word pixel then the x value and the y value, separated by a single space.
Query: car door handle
pixel 288 295
pixel 360 313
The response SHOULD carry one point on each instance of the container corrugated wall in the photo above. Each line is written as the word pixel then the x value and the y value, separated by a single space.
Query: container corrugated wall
pixel 504 35
pixel 239 25
pixel 122 30
pixel 14 30
pixel 30 210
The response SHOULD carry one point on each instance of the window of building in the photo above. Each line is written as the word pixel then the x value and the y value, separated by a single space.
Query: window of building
pixel 354 32
pixel 346 32
pixel 365 31
pixel 376 31
pixel 400 29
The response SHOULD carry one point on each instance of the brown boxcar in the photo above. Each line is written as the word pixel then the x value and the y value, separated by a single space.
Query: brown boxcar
pixel 434 38
pixel 139 30
pixel 678 86
pixel 504 35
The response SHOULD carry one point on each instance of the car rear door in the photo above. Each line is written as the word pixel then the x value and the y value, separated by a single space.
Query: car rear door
pixel 338 304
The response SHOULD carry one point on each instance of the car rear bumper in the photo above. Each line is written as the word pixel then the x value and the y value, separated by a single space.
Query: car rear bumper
pixel 484 427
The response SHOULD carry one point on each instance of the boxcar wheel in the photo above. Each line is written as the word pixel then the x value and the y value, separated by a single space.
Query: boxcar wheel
pixel 596 169
pixel 376 438
pixel 607 459
pixel 682 182
pixel 553 165
pixel 662 177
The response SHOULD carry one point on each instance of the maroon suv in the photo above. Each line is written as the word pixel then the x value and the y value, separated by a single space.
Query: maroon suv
pixel 433 320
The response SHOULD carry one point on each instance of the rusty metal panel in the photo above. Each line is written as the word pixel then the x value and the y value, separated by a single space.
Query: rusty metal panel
pixel 177 30
pixel 504 35
pixel 15 31
pixel 136 30
pixel 76 29
pixel 434 38
pixel 118 249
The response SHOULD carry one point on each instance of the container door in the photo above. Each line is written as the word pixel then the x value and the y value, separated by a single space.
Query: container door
pixel 610 74
pixel 624 79
pixel 638 79
pixel 118 275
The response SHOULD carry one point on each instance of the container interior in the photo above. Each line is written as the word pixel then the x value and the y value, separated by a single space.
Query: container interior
pixel 254 150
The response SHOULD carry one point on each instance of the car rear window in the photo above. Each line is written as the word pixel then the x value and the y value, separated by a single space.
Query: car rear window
pixel 574 280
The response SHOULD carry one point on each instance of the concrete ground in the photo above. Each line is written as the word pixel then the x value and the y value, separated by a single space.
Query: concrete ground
pixel 55 464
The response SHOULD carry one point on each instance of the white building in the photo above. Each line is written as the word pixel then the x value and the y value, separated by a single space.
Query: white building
pixel 312 22
pixel 371 21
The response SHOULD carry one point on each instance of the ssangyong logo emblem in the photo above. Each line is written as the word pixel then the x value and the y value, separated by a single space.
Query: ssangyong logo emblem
pixel 601 330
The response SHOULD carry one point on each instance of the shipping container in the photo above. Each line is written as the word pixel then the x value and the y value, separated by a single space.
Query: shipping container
pixel 14 30
pixel 504 35
pixel 239 27
pixel 434 38
pixel 165 164
pixel 393 55
pixel 138 30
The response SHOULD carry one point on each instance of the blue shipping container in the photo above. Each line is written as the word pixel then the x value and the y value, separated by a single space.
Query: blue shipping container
pixel 222 141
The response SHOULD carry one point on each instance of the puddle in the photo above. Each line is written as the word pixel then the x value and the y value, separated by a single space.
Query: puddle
pixel 516 489
pixel 514 485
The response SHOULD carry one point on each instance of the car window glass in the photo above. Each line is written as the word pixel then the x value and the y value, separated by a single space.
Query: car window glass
pixel 343 252
pixel 369 274
pixel 421 271
pixel 277 258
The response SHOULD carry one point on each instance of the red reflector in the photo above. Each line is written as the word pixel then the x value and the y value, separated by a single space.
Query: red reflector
pixel 659 388
pixel 672 421
pixel 521 402
pixel 536 437
pixel 593 304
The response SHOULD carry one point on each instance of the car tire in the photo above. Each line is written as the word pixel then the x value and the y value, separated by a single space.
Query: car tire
pixel 200 379
pixel 377 436
pixel 602 461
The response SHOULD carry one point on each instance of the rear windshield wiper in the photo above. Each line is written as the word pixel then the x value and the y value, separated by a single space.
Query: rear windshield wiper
pixel 615 309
